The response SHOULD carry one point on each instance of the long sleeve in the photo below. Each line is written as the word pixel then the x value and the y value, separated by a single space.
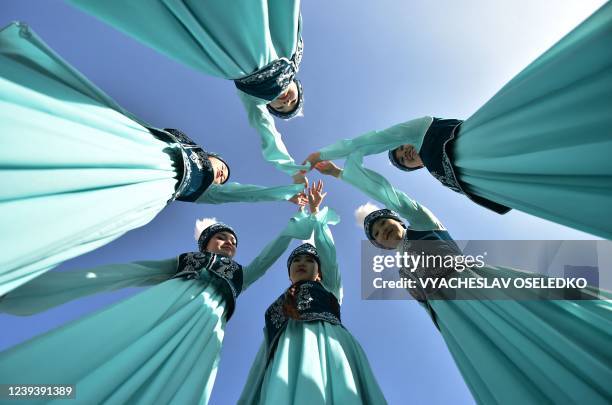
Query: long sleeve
pixel 324 241
pixel 410 132
pixel 236 192
pixel 299 227
pixel 272 146
pixel 56 288
pixel 377 187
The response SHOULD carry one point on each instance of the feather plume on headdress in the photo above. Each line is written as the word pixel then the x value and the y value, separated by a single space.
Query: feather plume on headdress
pixel 363 211
pixel 202 224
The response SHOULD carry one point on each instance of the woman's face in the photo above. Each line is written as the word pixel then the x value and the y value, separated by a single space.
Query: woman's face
pixel 388 232
pixel 220 170
pixel 304 267
pixel 288 99
pixel 222 243
pixel 407 156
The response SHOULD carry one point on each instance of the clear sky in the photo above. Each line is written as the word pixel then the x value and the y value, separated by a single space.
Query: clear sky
pixel 367 65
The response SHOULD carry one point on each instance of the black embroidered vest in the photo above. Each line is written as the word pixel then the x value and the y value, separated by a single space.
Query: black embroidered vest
pixel 271 80
pixel 225 269
pixel 437 155
pixel 437 243
pixel 303 301
pixel 192 164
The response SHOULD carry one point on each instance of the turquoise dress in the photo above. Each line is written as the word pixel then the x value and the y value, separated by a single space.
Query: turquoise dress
pixel 314 362
pixel 510 351
pixel 542 144
pixel 78 171
pixel 219 38
pixel 160 346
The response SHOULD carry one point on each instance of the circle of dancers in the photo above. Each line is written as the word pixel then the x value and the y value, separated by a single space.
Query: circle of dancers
pixel 112 172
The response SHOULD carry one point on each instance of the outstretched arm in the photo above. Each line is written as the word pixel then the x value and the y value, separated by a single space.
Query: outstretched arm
pixel 236 192
pixel 410 132
pixel 324 242
pixel 378 188
pixel 272 146
pixel 56 288
pixel 299 227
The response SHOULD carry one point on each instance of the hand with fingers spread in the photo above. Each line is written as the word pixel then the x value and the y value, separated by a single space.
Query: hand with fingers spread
pixel 329 168
pixel 313 159
pixel 300 199
pixel 316 196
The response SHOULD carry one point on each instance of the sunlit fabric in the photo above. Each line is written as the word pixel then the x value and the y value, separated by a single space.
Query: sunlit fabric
pixel 161 345
pixel 527 351
pixel 78 171
pixel 542 143
pixel 314 361
pixel 224 39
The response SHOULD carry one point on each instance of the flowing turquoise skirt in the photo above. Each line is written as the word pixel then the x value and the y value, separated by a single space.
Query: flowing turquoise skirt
pixel 228 39
pixel 161 346
pixel 77 170
pixel 530 352
pixel 543 143
pixel 314 363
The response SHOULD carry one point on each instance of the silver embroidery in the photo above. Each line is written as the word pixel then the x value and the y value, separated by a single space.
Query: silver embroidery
pixel 448 178
pixel 200 158
pixel 304 298
pixel 227 269
pixel 282 70
pixel 193 265
pixel 321 316
pixel 276 314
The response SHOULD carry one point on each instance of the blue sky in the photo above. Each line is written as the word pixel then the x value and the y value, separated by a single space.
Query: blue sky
pixel 366 66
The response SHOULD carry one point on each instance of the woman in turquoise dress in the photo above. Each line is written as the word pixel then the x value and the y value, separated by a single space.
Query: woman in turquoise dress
pixel 257 44
pixel 308 356
pixel 78 171
pixel 540 145
pixel 508 351
pixel 159 346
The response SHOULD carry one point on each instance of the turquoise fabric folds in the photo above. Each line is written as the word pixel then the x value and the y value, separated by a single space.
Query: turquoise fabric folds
pixel 216 37
pixel 220 38
pixel 71 160
pixel 542 143
pixel 512 351
pixel 530 351
pixel 75 161
pixel 314 362
pixel 159 346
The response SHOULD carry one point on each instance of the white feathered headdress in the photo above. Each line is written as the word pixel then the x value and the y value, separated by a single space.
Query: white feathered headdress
pixel 363 211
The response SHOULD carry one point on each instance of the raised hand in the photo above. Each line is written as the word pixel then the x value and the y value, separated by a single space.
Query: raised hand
pixel 329 168
pixel 300 199
pixel 316 196
pixel 313 159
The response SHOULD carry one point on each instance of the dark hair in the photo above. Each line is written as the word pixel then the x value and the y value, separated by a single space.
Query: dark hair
pixel 211 231
pixel 211 154
pixel 298 106
pixel 397 164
